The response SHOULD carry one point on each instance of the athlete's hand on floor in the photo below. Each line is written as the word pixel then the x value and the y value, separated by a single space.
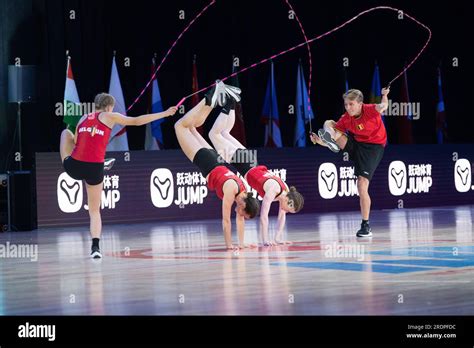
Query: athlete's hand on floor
pixel 282 242
pixel 246 246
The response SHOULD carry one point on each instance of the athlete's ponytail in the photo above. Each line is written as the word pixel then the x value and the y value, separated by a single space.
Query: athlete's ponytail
pixel 252 205
pixel 296 198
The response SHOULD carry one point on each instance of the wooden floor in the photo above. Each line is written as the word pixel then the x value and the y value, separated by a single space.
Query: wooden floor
pixel 419 261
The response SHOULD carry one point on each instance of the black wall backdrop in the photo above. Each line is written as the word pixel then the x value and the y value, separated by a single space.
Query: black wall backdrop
pixel 40 31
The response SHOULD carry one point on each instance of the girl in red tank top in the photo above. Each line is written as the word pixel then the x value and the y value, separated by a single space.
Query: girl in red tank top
pixel 270 187
pixel 92 139
pixel 227 185
pixel 258 176
pixel 219 176
pixel 83 153
pixel 273 189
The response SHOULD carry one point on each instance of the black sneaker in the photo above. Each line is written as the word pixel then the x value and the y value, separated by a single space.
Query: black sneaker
pixel 327 139
pixel 217 95
pixel 229 106
pixel 365 231
pixel 95 252
pixel 109 163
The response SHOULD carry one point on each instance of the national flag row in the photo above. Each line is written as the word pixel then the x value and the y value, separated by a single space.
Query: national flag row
pixel 270 115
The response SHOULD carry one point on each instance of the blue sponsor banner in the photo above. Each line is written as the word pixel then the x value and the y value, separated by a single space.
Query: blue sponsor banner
pixel 164 185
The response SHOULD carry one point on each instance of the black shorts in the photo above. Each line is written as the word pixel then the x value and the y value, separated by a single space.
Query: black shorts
pixel 242 161
pixel 366 157
pixel 90 172
pixel 206 160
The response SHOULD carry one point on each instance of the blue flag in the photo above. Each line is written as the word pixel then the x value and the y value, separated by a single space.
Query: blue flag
pixel 376 91
pixel 441 124
pixel 156 106
pixel 346 82
pixel 304 112
pixel 375 96
pixel 270 116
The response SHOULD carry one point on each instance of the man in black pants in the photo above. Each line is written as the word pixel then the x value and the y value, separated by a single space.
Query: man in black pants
pixel 361 133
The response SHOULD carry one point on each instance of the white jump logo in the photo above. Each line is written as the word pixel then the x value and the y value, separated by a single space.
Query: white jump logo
pixel 328 176
pixel 162 188
pixel 462 175
pixel 68 190
pixel 398 176
pixel 327 180
pixel 162 185
pixel 413 178
pixel 69 193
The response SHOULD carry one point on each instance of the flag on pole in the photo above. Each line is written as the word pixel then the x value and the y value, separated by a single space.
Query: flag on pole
pixel 118 137
pixel 270 116
pixel 375 96
pixel 344 86
pixel 441 124
pixel 195 87
pixel 72 111
pixel 238 131
pixel 346 81
pixel 154 134
pixel 404 124
pixel 304 112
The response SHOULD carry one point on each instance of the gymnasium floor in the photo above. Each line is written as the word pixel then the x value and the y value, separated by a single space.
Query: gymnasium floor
pixel 419 262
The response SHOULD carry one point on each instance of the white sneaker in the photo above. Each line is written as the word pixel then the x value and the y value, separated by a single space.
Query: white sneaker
pixel 233 92
pixel 217 95
pixel 109 163
pixel 326 138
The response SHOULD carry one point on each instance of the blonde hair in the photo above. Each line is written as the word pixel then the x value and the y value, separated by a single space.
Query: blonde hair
pixel 354 94
pixel 102 100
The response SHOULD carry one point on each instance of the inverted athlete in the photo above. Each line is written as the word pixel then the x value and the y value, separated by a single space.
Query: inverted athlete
pixel 228 186
pixel 83 153
pixel 270 187
pixel 361 133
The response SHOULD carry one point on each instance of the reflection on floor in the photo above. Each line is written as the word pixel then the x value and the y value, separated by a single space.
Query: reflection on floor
pixel 419 261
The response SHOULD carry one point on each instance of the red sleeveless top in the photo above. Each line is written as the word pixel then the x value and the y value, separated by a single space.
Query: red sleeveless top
pixel 92 139
pixel 258 176
pixel 217 178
